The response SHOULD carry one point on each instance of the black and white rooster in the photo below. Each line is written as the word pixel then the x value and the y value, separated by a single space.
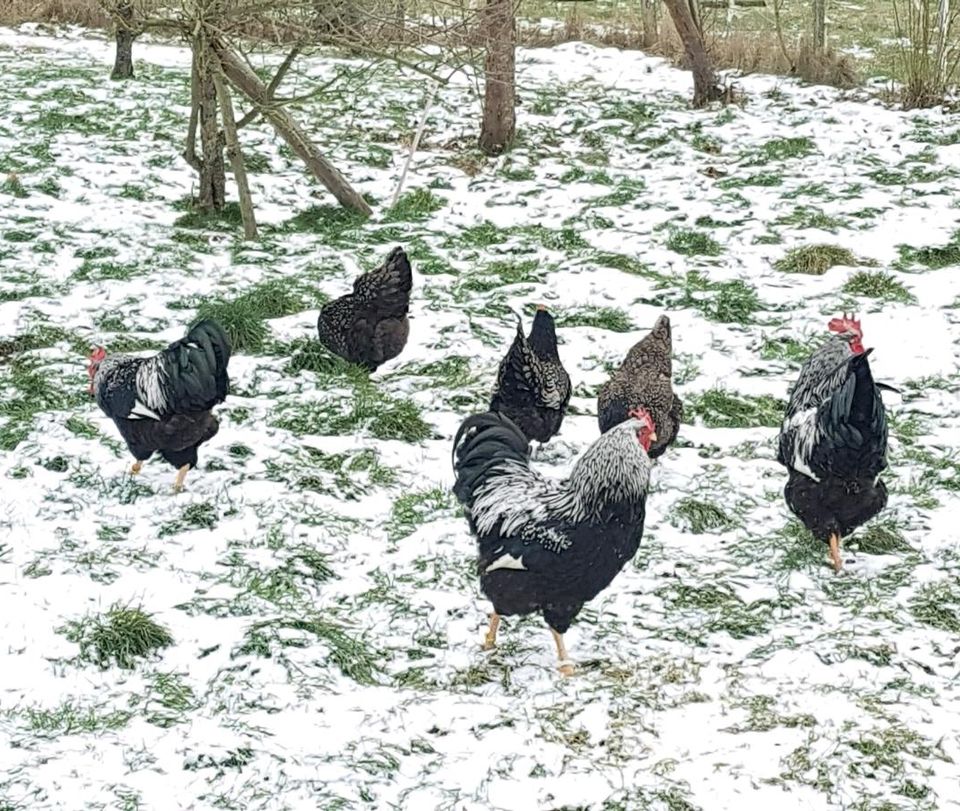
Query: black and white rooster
pixel 162 403
pixel 545 545
pixel 533 388
pixel 833 440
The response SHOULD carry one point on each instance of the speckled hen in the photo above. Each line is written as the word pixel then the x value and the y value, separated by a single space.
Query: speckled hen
pixel 369 326
pixel 550 546
pixel 533 388
pixel 644 379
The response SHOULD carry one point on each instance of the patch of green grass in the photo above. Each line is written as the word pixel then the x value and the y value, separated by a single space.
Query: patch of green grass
pixel 168 699
pixel 497 274
pixel 563 239
pixel 336 225
pixel 243 318
pixel 228 219
pixel 933 257
pixel 81 427
pixel 13 186
pixel 732 302
pixel 195 516
pixel 879 285
pixel 33 393
pixel 415 206
pixel 938 605
pixel 610 318
pixel 815 260
pixel 688 242
pixel 626 191
pixel 786 348
pixel 133 191
pixel 763 179
pixel 308 354
pixel 620 261
pixel 723 409
pixel 70 719
pixel 383 416
pixel 697 517
pixel 411 510
pixel 778 149
pixel 803 217
pixel 121 636
pixel 881 538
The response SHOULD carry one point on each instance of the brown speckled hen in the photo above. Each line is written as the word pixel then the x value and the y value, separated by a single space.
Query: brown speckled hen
pixel 644 380
pixel 369 326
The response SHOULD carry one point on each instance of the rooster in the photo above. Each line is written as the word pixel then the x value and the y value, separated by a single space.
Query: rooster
pixel 644 379
pixel 533 388
pixel 163 403
pixel 833 440
pixel 550 546
pixel 369 326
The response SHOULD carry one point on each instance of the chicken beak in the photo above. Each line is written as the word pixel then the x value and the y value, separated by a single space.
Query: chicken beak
pixel 653 436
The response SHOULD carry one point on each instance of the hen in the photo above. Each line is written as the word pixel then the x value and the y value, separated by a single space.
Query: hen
pixel 533 388
pixel 544 545
pixel 369 326
pixel 644 379
pixel 833 440
pixel 163 403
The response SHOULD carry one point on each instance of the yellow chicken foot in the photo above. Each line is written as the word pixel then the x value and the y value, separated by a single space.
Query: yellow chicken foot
pixel 835 552
pixel 181 475
pixel 137 467
pixel 490 640
pixel 564 664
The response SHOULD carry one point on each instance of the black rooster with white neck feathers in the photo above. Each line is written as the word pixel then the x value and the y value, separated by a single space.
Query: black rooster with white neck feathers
pixel 833 440
pixel 550 546
pixel 163 403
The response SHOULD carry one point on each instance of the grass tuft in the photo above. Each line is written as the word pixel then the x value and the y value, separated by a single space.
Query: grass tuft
pixel 697 516
pixel 879 285
pixel 121 636
pixel 815 260
pixel 688 242
pixel 723 409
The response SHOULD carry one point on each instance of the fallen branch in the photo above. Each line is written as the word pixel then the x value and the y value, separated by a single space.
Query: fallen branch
pixel 235 156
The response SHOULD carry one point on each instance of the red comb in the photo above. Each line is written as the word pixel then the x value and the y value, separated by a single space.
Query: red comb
pixel 97 354
pixel 640 414
pixel 848 323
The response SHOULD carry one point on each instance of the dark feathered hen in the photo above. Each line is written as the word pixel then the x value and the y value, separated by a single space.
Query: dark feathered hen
pixel 544 545
pixel 833 440
pixel 645 379
pixel 162 403
pixel 533 388
pixel 369 326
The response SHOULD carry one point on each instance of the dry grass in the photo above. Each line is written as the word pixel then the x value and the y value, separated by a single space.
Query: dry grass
pixel 88 13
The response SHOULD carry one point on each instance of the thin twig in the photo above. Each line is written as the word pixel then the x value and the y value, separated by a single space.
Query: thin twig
pixel 415 143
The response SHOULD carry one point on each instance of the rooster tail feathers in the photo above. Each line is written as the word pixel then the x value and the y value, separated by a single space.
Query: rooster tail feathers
pixel 483 442
pixel 209 336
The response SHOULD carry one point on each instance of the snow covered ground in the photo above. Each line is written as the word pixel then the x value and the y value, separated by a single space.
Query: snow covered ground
pixel 314 582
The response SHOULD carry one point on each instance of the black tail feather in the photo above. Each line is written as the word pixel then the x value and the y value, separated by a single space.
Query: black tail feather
pixel 482 443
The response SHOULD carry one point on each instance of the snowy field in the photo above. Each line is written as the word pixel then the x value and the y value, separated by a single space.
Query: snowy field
pixel 308 605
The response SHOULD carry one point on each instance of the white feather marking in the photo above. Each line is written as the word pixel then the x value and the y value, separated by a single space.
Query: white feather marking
pixel 141 412
pixel 151 384
pixel 805 437
pixel 507 561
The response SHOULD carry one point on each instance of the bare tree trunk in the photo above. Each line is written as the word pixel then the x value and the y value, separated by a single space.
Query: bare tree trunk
pixel 819 25
pixel 943 32
pixel 499 101
pixel 236 157
pixel 246 81
pixel 123 63
pixel 648 16
pixel 705 87
pixel 212 195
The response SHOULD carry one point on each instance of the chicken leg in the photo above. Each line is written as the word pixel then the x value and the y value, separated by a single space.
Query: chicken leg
pixel 835 552
pixel 181 475
pixel 564 664
pixel 490 640
pixel 137 467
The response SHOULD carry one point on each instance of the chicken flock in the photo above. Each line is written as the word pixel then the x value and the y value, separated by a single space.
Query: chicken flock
pixel 545 546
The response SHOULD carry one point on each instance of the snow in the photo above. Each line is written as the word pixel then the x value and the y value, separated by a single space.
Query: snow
pixel 724 670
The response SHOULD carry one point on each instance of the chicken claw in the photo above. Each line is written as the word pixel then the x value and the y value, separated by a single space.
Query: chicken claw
pixel 181 475
pixel 835 552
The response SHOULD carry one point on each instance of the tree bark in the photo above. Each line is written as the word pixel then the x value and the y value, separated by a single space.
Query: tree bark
pixel 236 158
pixel 123 63
pixel 705 87
pixel 648 16
pixel 212 195
pixel 819 25
pixel 499 101
pixel 247 82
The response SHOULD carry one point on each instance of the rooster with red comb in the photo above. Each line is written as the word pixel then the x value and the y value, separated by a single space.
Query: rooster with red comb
pixel 833 440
